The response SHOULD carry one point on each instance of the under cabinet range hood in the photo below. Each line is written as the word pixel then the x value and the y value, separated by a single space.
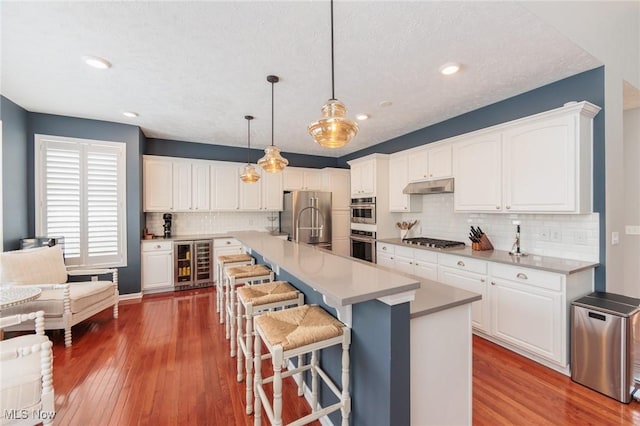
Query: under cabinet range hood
pixel 439 186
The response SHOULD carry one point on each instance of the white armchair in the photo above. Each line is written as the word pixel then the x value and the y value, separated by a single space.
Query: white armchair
pixel 65 304
pixel 26 369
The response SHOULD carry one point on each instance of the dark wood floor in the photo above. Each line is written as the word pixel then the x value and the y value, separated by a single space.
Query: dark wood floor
pixel 165 362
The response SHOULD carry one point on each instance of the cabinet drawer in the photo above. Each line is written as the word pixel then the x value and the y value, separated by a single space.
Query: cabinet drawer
pixel 225 242
pixel 386 248
pixel 157 245
pixel 404 252
pixel 425 256
pixel 463 263
pixel 533 277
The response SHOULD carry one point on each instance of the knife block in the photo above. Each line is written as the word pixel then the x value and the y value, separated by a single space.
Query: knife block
pixel 483 245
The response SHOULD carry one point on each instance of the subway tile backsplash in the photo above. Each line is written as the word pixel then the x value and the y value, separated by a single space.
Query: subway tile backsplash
pixel 212 222
pixel 567 236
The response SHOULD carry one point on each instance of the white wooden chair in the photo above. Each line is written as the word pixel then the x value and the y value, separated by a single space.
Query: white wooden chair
pixel 65 304
pixel 26 372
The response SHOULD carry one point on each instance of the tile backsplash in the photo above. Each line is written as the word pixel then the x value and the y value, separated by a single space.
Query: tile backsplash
pixel 212 222
pixel 560 235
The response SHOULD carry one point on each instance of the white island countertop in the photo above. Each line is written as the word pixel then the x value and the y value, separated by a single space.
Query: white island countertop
pixel 340 280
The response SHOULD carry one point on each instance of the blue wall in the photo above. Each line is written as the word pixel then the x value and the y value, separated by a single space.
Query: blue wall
pixel 55 125
pixel 587 86
pixel 15 195
pixel 171 148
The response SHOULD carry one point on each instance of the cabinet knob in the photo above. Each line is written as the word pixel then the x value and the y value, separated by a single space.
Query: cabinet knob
pixel 391 258
pixel 460 263
pixel 508 207
pixel 158 246
pixel 522 276
pixel 410 263
pixel 384 247
pixel 493 283
pixel 497 207
pixel 417 264
pixel 228 242
pixel 482 280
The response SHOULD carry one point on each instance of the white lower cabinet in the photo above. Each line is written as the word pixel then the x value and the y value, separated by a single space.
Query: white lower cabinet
pixel 526 310
pixel 157 266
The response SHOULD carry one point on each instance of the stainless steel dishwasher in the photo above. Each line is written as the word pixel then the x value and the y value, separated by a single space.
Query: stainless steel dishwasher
pixel 605 344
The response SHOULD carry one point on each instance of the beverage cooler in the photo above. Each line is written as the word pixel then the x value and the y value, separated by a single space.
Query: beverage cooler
pixel 193 266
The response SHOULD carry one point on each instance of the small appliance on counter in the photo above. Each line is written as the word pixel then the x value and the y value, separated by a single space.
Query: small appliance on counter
pixel 167 225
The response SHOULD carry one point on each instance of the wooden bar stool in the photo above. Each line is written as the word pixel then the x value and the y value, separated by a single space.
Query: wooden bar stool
pixel 222 262
pixel 295 332
pixel 236 276
pixel 253 300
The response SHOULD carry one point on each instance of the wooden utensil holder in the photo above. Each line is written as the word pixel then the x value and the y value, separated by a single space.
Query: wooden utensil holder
pixel 484 244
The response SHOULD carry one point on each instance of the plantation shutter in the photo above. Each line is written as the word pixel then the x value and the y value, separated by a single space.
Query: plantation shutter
pixel 81 191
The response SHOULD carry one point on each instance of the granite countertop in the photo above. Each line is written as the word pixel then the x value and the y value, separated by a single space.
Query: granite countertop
pixel 341 280
pixel 533 261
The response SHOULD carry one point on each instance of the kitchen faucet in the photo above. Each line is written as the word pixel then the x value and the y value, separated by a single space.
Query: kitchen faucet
pixel 315 228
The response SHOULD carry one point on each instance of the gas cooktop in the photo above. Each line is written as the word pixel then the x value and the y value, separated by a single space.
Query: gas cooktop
pixel 433 243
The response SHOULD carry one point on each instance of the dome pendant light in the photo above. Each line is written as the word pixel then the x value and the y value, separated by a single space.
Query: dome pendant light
pixel 334 129
pixel 249 173
pixel 272 162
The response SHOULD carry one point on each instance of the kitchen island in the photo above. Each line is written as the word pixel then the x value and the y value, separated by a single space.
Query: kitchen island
pixel 400 324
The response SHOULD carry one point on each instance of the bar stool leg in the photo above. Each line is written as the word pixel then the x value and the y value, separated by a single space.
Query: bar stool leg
pixel 346 399
pixel 239 353
pixel 277 385
pixel 257 381
pixel 249 361
pixel 314 381
pixel 230 316
pixel 299 378
pixel 223 311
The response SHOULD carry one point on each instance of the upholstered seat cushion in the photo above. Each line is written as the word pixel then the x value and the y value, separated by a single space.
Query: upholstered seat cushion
pixel 81 294
pixel 248 271
pixel 299 326
pixel 263 294
pixel 21 377
pixel 232 258
pixel 42 265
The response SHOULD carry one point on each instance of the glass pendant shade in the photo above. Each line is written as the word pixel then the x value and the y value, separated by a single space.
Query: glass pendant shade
pixel 334 129
pixel 249 174
pixel 272 162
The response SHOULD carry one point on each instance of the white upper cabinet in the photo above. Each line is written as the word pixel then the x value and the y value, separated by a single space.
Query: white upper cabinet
pixel 302 179
pixel 158 184
pixel 200 186
pixel 271 197
pixel 338 182
pixel 430 163
pixel 363 178
pixel 536 164
pixel 224 186
pixel 181 186
pixel 398 201
pixel 477 170
pixel 250 193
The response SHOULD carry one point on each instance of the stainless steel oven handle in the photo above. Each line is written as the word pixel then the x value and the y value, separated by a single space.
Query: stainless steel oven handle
pixel 361 206
pixel 364 240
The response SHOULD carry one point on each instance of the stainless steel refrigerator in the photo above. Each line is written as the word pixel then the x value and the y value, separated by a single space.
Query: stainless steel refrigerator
pixel 306 217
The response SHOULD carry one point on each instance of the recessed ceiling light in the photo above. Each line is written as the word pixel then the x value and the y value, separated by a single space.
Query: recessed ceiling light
pixel 385 104
pixel 130 114
pixel 96 62
pixel 450 68
pixel 362 117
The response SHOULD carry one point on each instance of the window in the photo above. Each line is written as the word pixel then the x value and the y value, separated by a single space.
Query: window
pixel 80 195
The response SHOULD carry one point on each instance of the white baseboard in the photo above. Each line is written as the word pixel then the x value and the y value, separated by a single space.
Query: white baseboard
pixel 130 296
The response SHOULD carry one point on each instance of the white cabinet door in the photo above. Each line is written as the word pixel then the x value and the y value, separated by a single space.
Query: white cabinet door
pixel 528 317
pixel 181 186
pixel 385 259
pixel 200 187
pixel 398 202
pixel 293 178
pixel 477 170
pixel 404 264
pixel 540 166
pixel 469 281
pixel 224 187
pixel 418 165
pixel 157 266
pixel 250 195
pixel 337 181
pixel 313 180
pixel 356 180
pixel 363 179
pixel 272 191
pixel 440 162
pixel 425 270
pixel 158 185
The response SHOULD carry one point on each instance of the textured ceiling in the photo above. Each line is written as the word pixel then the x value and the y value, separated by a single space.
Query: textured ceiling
pixel 192 70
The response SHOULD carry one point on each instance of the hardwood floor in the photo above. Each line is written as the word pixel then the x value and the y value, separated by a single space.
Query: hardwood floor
pixel 165 362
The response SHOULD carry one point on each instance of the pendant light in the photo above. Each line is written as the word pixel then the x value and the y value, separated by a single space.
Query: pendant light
pixel 272 162
pixel 249 173
pixel 334 129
